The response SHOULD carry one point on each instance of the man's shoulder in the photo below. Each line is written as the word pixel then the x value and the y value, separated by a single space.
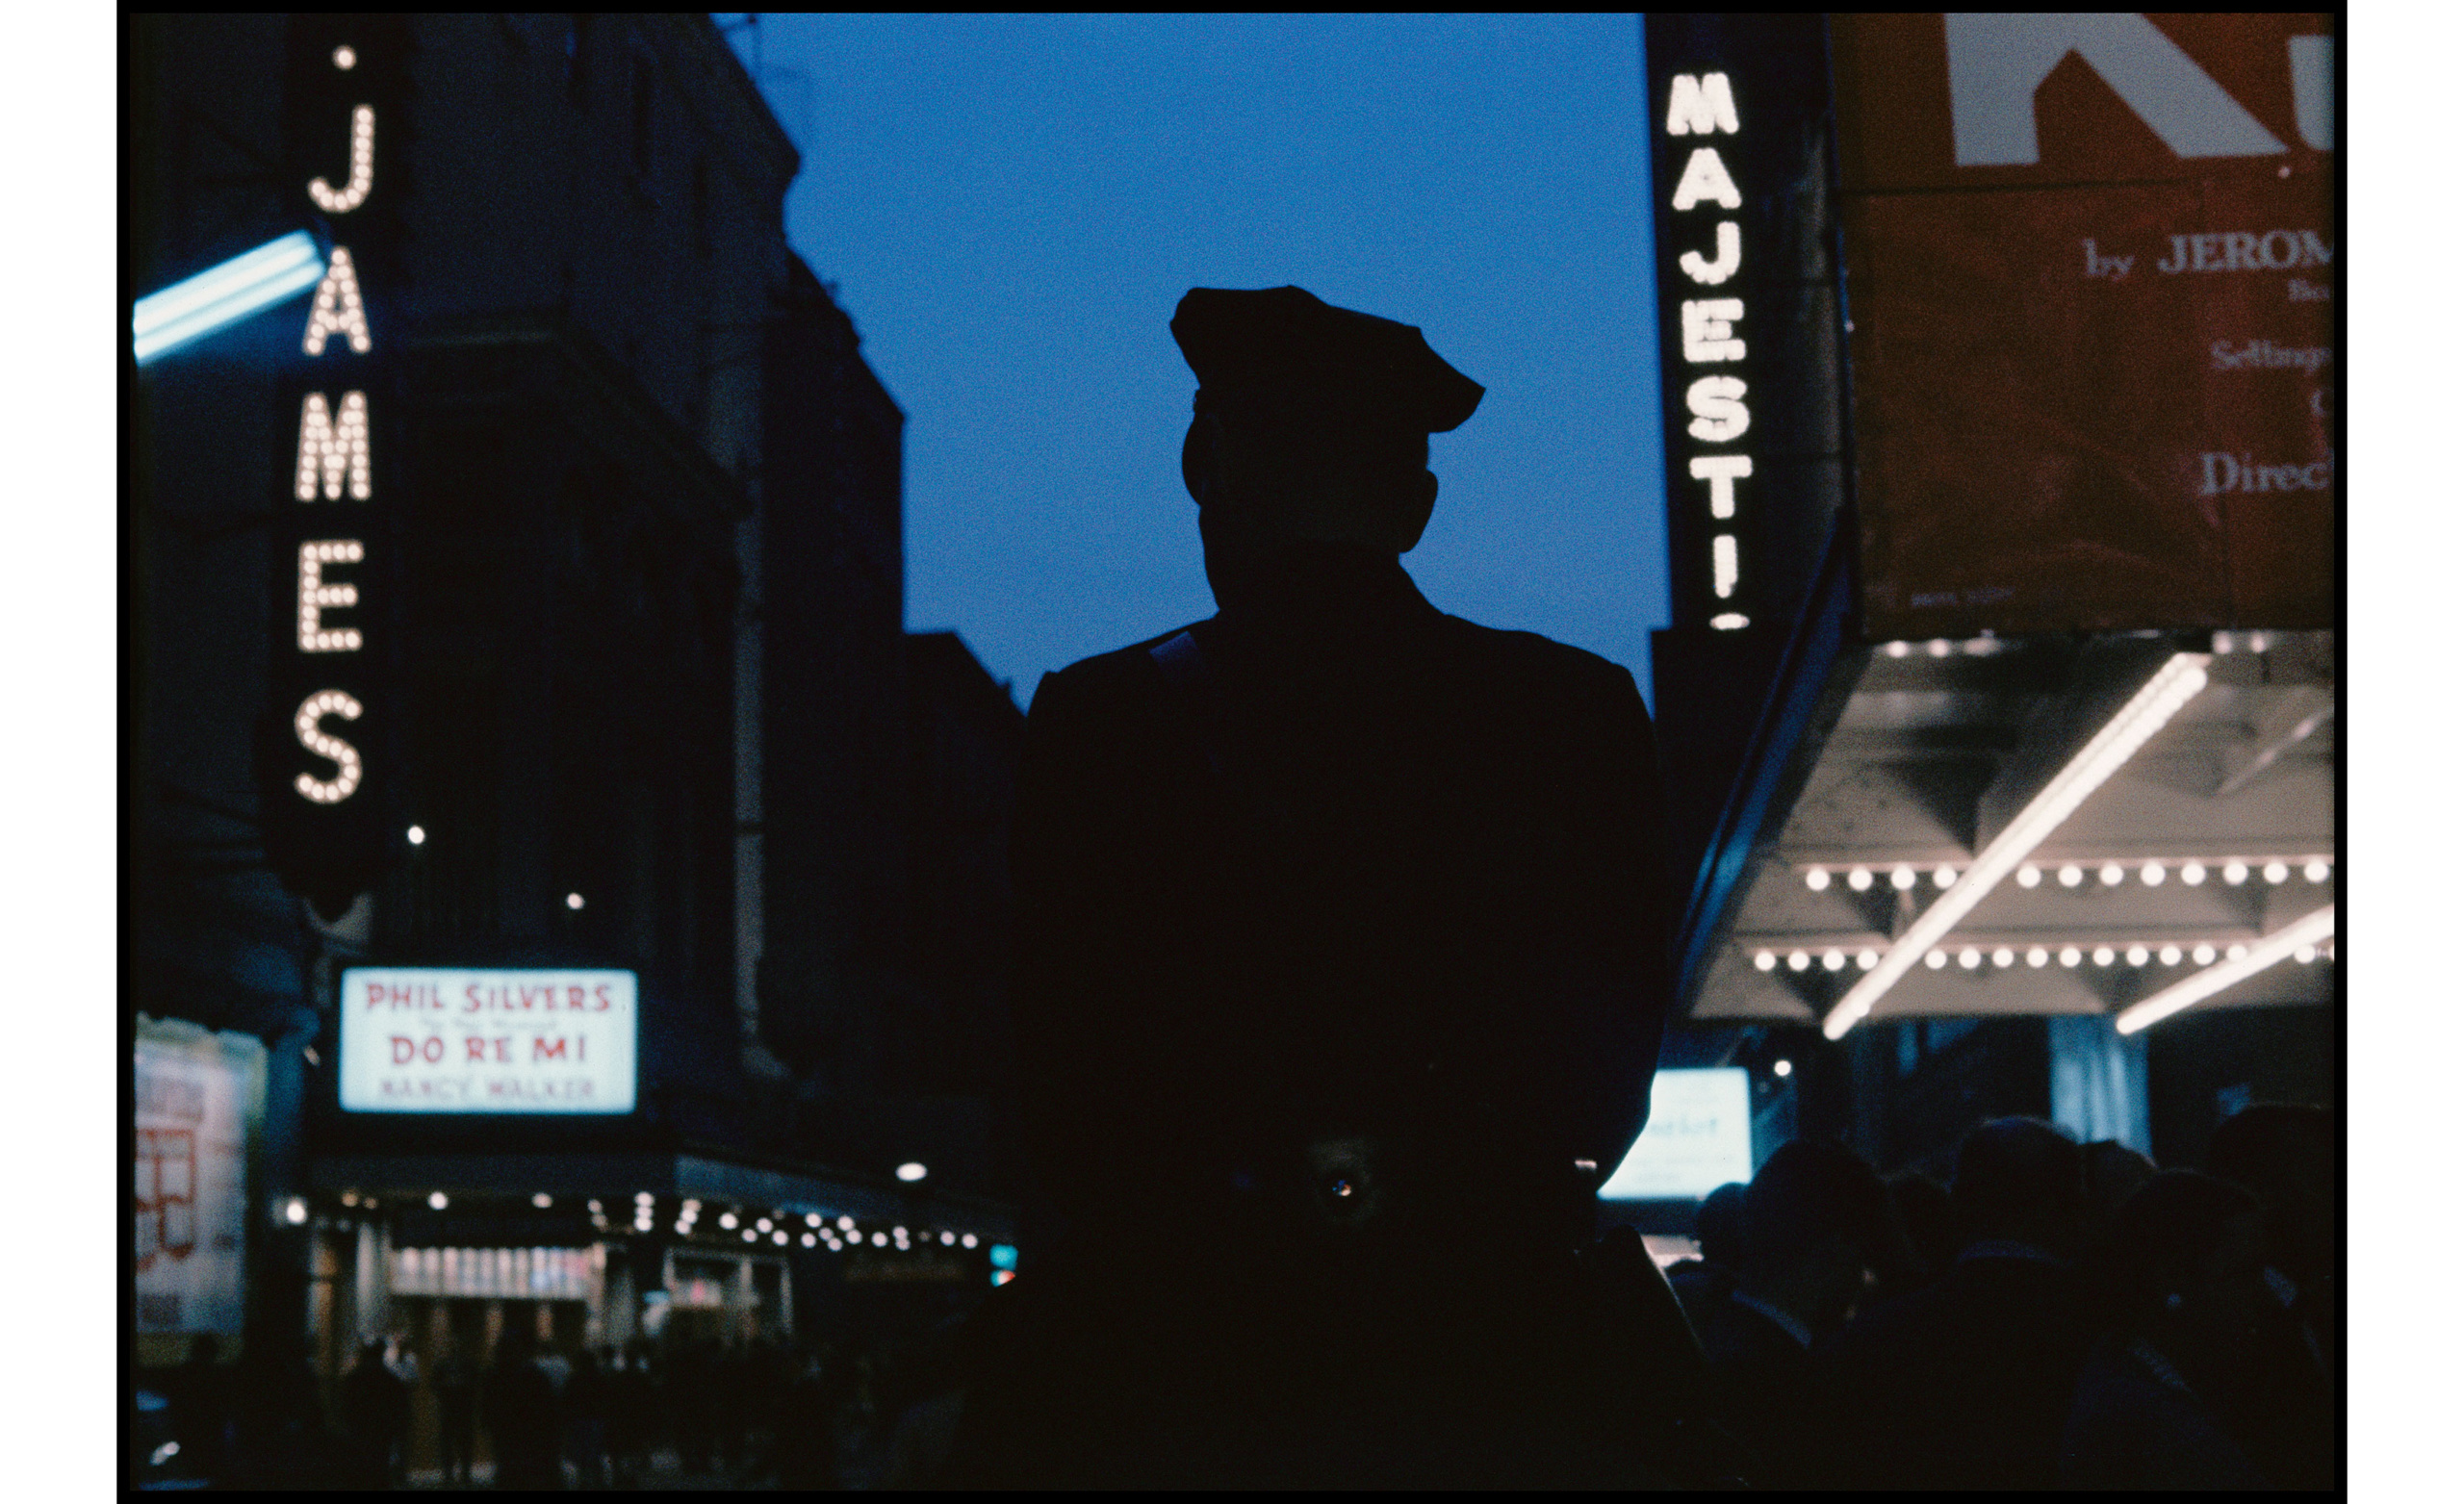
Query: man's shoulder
pixel 1124 673
pixel 1530 656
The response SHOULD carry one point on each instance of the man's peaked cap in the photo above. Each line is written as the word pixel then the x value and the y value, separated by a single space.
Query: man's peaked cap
pixel 1282 344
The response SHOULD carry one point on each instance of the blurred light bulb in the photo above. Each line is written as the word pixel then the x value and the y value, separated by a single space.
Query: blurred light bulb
pixel 1833 960
pixel 1780 1068
pixel 967 1240
pixel 749 1235
pixel 2030 876
pixel 761 1224
pixel 436 1201
pixel 779 1238
pixel 727 1219
pixel 2104 956
pixel 415 836
pixel 1902 876
pixel 2170 956
pixel 1798 960
pixel 847 1224
pixel 1765 961
pixel 2277 872
pixel 1940 646
pixel 2236 951
pixel 1867 961
pixel 2110 875
pixel 2315 870
pixel 812 1219
pixel 2136 956
pixel 1970 957
pixel 1937 960
pixel 1817 878
pixel 808 1239
pixel 2235 872
pixel 2070 875
pixel 543 1201
pixel 1945 874
pixel 2305 955
pixel 911 1171
pixel 2070 955
pixel 573 901
pixel 2203 953
pixel 294 1211
pixel 1896 650
pixel 2152 874
pixel 2193 873
pixel 1861 878
pixel 2037 956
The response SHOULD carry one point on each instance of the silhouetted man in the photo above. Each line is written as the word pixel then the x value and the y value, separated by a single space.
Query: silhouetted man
pixel 2284 1154
pixel 1340 950
pixel 1966 1383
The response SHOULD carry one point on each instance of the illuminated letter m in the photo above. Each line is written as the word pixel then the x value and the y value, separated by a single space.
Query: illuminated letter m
pixel 1701 107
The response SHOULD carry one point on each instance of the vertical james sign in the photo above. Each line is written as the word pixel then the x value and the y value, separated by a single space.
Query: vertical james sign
pixel 2091 267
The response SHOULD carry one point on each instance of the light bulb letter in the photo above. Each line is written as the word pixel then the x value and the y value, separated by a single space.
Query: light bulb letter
pixel 1700 106
pixel 317 596
pixel 338 309
pixel 1707 332
pixel 1706 176
pixel 333 451
pixel 1723 471
pixel 348 769
pixel 1727 249
pixel 1718 406
pixel 363 168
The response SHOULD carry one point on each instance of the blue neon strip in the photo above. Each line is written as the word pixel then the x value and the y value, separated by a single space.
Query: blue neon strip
pixel 219 296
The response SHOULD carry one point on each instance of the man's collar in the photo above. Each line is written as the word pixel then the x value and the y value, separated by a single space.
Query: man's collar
pixel 1777 1317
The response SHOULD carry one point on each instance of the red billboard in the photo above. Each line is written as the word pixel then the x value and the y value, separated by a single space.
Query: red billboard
pixel 2090 271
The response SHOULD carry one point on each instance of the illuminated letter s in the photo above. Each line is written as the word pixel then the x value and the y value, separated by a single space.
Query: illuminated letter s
pixel 348 769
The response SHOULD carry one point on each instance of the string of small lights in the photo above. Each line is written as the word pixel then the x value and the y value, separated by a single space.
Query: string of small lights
pixel 1972 957
pixel 2109 872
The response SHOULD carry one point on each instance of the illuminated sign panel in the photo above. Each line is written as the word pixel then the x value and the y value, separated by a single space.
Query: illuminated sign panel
pixel 1700 1138
pixel 433 1039
pixel 326 772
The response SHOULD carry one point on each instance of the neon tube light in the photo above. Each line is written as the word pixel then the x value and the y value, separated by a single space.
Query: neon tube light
pixel 2182 677
pixel 2309 930
pixel 219 296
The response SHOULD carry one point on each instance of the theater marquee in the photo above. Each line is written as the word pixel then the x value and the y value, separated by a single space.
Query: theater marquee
pixel 431 1040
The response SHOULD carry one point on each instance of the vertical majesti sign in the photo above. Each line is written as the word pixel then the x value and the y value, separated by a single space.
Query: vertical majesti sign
pixel 325 763
pixel 1738 112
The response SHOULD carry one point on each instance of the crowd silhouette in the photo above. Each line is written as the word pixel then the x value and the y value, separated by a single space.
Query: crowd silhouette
pixel 2058 1317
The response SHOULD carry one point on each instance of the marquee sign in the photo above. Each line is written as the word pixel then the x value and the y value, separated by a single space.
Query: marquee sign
pixel 433 1039
pixel 324 762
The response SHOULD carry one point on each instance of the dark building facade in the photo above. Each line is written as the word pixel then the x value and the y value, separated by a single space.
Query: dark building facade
pixel 618 567
pixel 886 765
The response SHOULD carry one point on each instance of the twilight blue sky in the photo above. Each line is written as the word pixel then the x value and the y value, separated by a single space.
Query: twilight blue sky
pixel 1011 206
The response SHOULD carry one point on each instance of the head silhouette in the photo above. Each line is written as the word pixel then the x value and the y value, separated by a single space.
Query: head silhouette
pixel 2021 1180
pixel 1817 1221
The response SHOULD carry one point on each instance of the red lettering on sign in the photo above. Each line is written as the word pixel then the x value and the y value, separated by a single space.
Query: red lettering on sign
pixel 547 1049
pixel 405 1049
pixel 477 1048
pixel 432 1049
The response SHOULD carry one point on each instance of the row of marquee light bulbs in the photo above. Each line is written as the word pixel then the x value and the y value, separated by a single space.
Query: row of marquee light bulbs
pixel 779 1228
pixel 2133 953
pixel 1988 645
pixel 2235 871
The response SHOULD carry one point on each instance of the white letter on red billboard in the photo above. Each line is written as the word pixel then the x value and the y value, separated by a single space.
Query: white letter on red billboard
pixel 1998 60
